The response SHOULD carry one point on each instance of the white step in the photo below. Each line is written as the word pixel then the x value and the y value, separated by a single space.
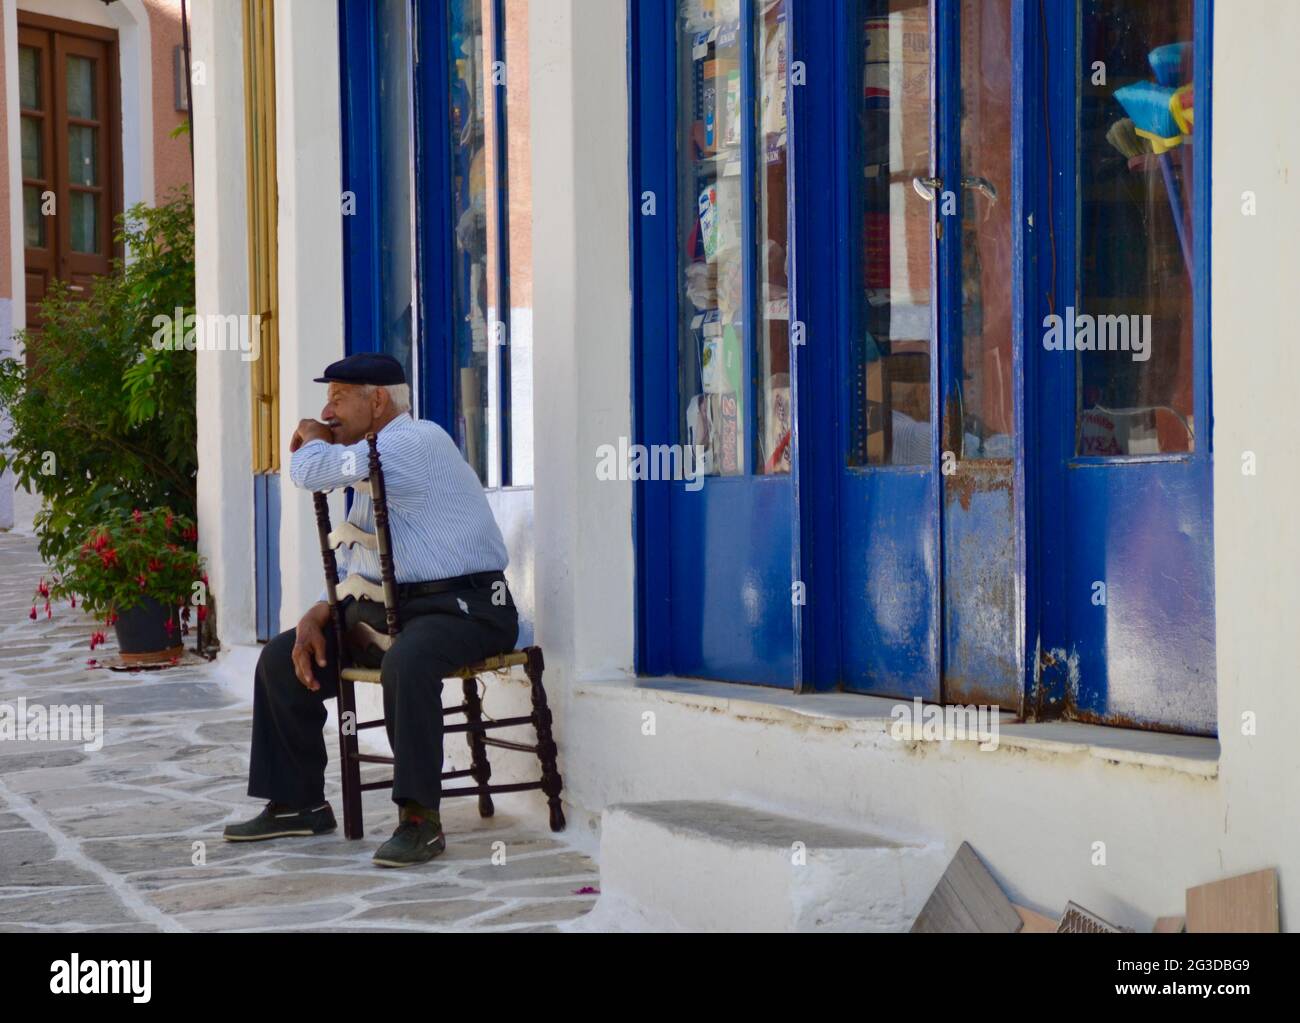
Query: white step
pixel 705 866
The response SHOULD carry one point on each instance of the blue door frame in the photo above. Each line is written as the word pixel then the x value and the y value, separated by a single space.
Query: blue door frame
pixel 1066 532
pixel 364 151
pixel 715 567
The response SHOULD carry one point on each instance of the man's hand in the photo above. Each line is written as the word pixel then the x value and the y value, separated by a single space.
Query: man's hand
pixel 309 645
pixel 309 430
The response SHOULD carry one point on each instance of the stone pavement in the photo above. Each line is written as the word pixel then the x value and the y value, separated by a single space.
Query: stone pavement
pixel 128 837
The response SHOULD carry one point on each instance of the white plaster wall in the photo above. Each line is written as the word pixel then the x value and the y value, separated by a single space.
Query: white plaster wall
pixel 224 398
pixel 582 350
pixel 1256 374
pixel 310 172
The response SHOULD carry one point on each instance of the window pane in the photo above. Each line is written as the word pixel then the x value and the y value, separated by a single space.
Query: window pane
pixel 85 222
pixel 1131 328
pixel 33 222
pixel 81 88
pixel 29 78
pixel 33 158
pixel 986 404
pixel 396 236
pixel 773 408
pixel 83 155
pixel 890 346
pixel 471 286
pixel 711 332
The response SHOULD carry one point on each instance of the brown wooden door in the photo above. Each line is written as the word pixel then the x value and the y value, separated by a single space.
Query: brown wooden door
pixel 70 154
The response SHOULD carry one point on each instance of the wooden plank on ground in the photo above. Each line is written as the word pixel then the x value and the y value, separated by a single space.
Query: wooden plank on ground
pixel 1246 904
pixel 967 900
pixel 1035 923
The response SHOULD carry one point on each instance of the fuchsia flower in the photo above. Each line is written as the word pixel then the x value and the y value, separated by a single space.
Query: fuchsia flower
pixel 32 616
pixel 97 639
pixel 203 612
pixel 136 515
pixel 169 626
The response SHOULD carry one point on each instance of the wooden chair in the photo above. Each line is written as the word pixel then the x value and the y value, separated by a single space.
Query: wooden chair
pixel 350 673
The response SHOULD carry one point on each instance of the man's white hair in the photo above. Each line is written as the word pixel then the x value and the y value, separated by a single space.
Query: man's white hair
pixel 398 394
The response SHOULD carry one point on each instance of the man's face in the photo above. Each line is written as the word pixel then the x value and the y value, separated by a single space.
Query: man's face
pixel 349 412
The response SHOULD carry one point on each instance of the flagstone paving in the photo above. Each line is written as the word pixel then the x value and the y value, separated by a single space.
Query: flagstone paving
pixel 128 837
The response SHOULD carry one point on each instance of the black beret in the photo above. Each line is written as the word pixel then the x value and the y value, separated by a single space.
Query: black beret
pixel 365 368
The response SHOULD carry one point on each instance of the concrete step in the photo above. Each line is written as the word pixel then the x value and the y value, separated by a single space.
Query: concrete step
pixel 709 866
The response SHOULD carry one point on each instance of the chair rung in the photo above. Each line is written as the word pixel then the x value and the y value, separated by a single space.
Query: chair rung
pixel 370 675
pixel 372 758
pixel 371 724
pixel 507 744
pixel 488 726
pixel 492 790
pixel 372 786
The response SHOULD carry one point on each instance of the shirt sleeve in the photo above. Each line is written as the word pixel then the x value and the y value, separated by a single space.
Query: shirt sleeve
pixel 318 466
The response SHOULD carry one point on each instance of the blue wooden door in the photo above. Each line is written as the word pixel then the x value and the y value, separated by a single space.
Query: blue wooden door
pixel 711 235
pixel 1127 612
pixel 929 586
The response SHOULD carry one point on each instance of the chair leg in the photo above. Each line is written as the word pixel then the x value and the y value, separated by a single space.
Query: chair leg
pixel 353 824
pixel 552 783
pixel 480 769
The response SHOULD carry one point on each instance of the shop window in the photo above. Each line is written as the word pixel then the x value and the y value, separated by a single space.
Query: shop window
pixel 438 243
pixel 734 379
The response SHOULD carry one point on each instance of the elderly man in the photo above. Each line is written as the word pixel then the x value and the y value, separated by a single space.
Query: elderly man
pixel 455 609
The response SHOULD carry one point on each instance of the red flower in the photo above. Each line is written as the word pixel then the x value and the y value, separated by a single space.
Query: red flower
pixel 101 541
pixel 32 616
pixel 108 557
pixel 155 565
pixel 91 662
pixel 203 612
pixel 142 581
pixel 136 515
pixel 169 626
pixel 73 600
pixel 43 589
pixel 97 639
pixel 111 619
pixel 170 520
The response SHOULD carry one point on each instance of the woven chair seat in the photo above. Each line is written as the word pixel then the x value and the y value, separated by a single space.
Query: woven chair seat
pixel 504 662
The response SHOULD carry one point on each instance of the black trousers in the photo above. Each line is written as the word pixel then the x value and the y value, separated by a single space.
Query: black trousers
pixel 440 634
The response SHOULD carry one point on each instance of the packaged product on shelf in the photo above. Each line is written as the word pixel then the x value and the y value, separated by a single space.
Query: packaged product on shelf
pixel 777 425
pixel 728 449
pixel 699 432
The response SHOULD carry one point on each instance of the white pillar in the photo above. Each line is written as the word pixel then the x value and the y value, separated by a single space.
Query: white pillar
pixel 581 333
pixel 223 402
pixel 310 169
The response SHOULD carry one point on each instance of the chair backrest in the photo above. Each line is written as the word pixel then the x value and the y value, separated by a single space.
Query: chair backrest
pixel 349 535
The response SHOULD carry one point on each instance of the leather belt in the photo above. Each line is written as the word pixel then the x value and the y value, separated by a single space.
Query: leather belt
pixel 476 581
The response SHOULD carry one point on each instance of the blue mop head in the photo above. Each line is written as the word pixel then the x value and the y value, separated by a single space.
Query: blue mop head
pixel 1167 62
pixel 1148 105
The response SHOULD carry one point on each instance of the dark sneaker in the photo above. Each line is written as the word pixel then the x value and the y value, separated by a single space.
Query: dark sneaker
pixel 415 841
pixel 282 822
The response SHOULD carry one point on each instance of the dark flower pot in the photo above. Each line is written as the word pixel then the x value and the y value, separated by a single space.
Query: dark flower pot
pixel 142 635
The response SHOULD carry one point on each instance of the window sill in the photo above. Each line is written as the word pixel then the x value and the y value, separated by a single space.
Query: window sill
pixel 1186 754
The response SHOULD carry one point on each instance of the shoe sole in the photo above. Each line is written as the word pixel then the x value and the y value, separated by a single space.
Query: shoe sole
pixel 406 863
pixel 304 833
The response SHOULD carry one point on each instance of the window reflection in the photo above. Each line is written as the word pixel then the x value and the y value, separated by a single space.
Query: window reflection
pixel 890 346
pixel 1136 194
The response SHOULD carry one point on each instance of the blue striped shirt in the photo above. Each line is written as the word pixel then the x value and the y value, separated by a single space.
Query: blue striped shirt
pixel 441 523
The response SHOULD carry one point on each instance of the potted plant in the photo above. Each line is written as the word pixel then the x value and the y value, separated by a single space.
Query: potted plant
pixel 139 572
